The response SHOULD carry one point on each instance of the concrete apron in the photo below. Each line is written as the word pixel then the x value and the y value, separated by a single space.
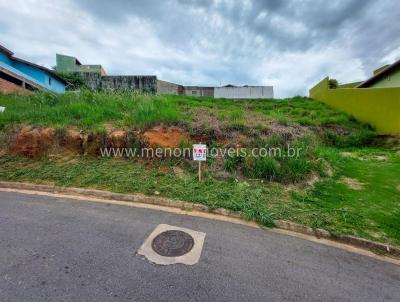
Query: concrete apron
pixel 190 258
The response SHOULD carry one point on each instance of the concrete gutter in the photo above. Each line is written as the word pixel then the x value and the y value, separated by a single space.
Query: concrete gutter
pixel 188 208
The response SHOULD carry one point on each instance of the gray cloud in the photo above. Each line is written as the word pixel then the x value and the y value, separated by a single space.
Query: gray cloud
pixel 289 44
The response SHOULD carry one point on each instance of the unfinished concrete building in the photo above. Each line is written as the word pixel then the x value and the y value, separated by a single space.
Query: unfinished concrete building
pixel 199 91
pixel 164 87
pixel 68 64
pixel 95 77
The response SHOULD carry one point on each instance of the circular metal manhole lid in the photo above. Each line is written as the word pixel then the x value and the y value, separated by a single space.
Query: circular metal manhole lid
pixel 172 243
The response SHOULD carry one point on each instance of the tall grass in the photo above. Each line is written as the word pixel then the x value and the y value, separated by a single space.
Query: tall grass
pixel 150 111
pixel 279 166
pixel 87 109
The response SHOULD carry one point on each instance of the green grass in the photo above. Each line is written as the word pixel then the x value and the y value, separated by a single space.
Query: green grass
pixel 88 110
pixel 371 212
pixel 128 176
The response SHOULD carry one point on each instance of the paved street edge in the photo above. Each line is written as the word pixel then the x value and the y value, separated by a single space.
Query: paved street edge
pixel 235 217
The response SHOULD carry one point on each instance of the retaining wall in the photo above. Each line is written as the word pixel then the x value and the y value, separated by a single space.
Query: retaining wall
pixel 142 83
pixel 96 82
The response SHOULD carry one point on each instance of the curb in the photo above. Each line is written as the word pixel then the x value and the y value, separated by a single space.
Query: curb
pixel 376 247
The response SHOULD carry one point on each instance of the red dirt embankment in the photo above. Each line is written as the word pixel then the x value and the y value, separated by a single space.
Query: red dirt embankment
pixel 32 141
pixel 37 141
pixel 166 137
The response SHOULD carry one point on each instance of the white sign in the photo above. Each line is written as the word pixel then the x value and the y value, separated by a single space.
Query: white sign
pixel 200 152
pixel 2 108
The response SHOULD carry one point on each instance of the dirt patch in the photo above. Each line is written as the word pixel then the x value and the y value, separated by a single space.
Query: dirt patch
pixel 65 158
pixel 256 120
pixel 35 142
pixel 377 235
pixel 352 183
pixel 365 157
pixel 166 137
pixel 92 143
pixel 117 139
pixel 180 173
pixel 288 132
pixel 349 154
pixel 335 128
pixel 32 141
pixel 216 125
pixel 327 168
pixel 374 157
pixel 163 170
pixel 388 141
pixel 109 127
pixel 72 140
pixel 206 126
pixel 313 179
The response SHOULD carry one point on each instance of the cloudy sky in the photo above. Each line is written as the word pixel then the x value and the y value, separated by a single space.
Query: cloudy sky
pixel 288 44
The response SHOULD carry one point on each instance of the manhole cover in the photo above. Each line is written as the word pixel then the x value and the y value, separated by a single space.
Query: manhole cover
pixel 172 243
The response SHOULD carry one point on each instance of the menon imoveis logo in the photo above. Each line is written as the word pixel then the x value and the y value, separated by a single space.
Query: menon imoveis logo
pixel 287 152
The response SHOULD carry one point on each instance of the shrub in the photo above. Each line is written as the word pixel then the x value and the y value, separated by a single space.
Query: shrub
pixel 232 162
pixel 333 84
pixel 74 79
pixel 261 167
pixel 295 169
pixel 356 138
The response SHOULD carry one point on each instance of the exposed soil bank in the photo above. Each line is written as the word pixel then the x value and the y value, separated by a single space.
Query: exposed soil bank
pixel 35 142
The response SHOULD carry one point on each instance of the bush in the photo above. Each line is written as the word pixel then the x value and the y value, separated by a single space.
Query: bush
pixel 295 169
pixel 356 138
pixel 74 79
pixel 232 162
pixel 279 166
pixel 262 167
pixel 333 84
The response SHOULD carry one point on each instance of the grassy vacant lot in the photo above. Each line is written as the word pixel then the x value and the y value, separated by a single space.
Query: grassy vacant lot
pixel 90 110
pixel 345 180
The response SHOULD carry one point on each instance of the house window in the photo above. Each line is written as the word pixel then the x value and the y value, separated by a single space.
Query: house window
pixel 49 81
pixel 194 92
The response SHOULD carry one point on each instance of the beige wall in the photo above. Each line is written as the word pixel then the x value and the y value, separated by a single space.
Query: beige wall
pixel 245 92
pixel 199 91
pixel 164 87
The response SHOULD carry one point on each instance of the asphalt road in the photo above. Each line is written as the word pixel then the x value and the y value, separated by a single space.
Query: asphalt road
pixel 57 249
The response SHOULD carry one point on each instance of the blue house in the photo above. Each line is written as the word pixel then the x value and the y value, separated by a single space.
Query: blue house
pixel 17 72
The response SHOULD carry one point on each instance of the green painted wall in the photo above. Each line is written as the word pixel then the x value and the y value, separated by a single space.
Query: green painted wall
pixel 379 107
pixel 65 64
pixel 391 80
pixel 68 64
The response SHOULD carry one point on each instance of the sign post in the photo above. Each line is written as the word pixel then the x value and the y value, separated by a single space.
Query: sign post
pixel 200 154
pixel 199 170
